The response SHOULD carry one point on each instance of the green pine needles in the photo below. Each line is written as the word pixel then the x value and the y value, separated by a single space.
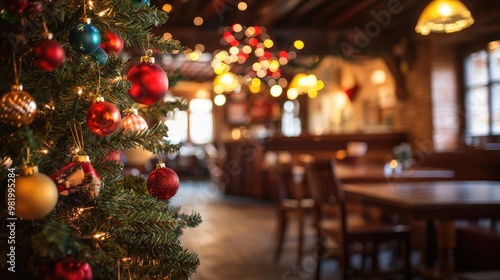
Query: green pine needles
pixel 124 233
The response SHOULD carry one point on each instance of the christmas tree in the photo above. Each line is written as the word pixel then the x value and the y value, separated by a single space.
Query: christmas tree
pixel 66 112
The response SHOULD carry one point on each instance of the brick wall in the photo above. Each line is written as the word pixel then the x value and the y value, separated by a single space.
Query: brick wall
pixel 414 113
pixel 430 113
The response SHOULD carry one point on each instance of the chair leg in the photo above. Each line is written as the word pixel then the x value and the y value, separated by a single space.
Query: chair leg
pixel 375 265
pixel 280 237
pixel 318 257
pixel 407 257
pixel 301 236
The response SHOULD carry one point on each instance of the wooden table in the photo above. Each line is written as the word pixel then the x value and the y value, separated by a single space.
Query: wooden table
pixel 371 173
pixel 441 201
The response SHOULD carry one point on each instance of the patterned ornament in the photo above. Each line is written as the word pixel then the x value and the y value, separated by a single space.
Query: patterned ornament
pixel 67 268
pixel 112 43
pixel 35 194
pixel 100 57
pixel 48 54
pixel 132 121
pixel 137 156
pixel 163 182
pixel 149 81
pixel 17 107
pixel 84 37
pixel 103 118
pixel 78 182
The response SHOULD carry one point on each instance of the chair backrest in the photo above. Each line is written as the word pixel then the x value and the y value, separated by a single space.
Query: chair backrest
pixel 326 190
pixel 286 187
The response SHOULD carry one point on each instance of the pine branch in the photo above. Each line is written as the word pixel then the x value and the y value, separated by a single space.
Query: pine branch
pixel 124 224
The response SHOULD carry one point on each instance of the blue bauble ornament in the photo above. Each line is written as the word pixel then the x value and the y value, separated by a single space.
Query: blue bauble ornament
pixel 84 38
pixel 100 56
pixel 143 2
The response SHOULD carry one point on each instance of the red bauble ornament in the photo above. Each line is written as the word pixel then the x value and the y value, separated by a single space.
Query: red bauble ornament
pixel 67 269
pixel 149 82
pixel 163 182
pixel 114 156
pixel 15 6
pixel 49 55
pixel 103 118
pixel 112 43
pixel 132 121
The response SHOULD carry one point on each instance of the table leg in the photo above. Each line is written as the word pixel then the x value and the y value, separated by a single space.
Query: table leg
pixel 446 241
pixel 431 253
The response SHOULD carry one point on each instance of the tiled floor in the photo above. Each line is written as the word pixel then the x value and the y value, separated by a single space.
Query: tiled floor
pixel 236 238
pixel 235 241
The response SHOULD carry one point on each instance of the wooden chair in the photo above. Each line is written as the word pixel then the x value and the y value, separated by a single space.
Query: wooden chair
pixel 289 202
pixel 350 235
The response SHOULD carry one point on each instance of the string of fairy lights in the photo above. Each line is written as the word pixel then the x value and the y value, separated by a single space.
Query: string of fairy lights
pixel 260 62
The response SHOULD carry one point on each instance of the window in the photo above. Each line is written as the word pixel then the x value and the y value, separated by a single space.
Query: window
pixel 290 121
pixel 197 121
pixel 482 92
pixel 177 127
pixel 200 121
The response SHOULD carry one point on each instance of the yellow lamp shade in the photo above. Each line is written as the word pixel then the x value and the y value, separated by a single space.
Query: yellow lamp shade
pixel 444 16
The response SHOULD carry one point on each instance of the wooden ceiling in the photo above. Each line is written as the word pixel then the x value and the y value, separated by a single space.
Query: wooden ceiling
pixel 321 24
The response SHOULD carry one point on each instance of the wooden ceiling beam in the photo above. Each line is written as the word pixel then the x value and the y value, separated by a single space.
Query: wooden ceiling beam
pixel 351 12
pixel 277 10
pixel 316 41
pixel 305 9
pixel 320 17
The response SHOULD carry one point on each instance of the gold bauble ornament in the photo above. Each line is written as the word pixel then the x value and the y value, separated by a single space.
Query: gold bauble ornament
pixel 17 107
pixel 36 194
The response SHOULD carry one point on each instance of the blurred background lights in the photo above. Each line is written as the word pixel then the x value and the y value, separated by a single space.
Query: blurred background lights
pixel 298 44
pixel 167 8
pixel 292 93
pixel 276 90
pixel 242 6
pixel 237 27
pixel 200 47
pixel 220 99
pixel 378 77
pixel 268 43
pixel 260 60
pixel 198 21
pixel 167 36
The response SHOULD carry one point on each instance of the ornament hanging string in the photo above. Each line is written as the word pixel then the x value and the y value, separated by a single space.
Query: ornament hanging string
pixel 27 160
pixel 84 8
pixel 17 71
pixel 77 137
pixel 160 156
pixel 98 79
pixel 45 29
pixel 148 50
pixel 75 106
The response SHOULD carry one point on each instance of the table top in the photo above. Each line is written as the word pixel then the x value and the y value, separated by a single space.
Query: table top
pixel 366 173
pixel 433 199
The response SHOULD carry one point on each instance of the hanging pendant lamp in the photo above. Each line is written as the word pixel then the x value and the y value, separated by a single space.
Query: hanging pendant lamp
pixel 444 16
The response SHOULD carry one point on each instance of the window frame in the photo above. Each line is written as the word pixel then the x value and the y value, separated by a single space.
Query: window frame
pixel 469 140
